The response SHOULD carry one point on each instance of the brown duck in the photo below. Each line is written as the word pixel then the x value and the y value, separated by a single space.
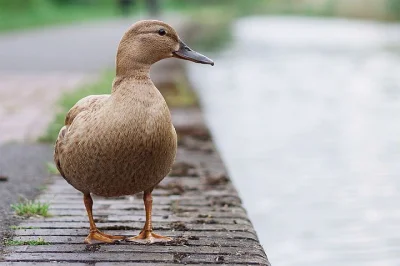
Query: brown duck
pixel 124 143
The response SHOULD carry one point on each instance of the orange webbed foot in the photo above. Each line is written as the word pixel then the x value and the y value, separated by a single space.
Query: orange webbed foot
pixel 148 237
pixel 98 236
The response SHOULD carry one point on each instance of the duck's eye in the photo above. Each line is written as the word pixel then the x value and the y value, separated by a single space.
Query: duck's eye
pixel 162 32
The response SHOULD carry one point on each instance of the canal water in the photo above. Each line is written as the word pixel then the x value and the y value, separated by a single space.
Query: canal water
pixel 306 114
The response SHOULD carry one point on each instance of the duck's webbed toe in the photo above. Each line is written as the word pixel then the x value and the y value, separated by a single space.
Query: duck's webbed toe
pixel 146 237
pixel 98 236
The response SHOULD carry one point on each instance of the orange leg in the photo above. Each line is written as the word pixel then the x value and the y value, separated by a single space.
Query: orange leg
pixel 146 235
pixel 95 234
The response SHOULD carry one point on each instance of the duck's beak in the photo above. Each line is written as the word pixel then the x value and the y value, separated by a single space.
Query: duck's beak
pixel 184 52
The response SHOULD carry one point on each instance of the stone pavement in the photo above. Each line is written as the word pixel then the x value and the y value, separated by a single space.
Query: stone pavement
pixel 197 205
pixel 27 101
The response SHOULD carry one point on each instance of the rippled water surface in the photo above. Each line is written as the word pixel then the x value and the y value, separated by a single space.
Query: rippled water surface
pixel 306 113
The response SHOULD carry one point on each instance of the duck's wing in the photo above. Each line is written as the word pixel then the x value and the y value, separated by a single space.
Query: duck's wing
pixel 88 103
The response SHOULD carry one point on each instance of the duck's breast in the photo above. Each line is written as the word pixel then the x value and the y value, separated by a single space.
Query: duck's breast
pixel 121 151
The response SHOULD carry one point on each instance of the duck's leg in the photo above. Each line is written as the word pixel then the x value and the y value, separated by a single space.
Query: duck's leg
pixel 147 235
pixel 95 234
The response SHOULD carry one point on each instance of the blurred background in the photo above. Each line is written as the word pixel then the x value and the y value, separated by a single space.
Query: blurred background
pixel 303 103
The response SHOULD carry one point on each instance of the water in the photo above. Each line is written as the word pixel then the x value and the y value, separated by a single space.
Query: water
pixel 306 114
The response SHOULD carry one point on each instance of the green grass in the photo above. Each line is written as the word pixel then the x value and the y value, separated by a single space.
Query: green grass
pixel 37 242
pixel 42 188
pixel 51 15
pixel 52 169
pixel 19 14
pixel 181 96
pixel 33 14
pixel 214 27
pixel 31 208
pixel 16 227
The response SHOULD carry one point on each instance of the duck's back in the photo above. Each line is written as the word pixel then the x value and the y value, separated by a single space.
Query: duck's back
pixel 120 146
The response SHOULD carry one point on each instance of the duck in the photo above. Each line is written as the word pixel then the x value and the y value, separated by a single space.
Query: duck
pixel 123 143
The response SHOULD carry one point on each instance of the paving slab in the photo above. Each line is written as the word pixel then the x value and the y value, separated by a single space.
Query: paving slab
pixel 27 101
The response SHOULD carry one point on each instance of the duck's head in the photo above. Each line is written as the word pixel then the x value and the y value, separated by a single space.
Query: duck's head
pixel 149 41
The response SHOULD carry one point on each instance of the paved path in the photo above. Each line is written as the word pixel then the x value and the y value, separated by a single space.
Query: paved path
pixel 27 101
pixel 87 47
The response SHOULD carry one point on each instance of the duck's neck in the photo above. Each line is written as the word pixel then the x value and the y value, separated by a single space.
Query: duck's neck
pixel 132 69
pixel 135 72
pixel 136 82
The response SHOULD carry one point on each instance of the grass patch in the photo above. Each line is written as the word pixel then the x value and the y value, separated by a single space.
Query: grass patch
pixel 50 14
pixel 213 30
pixel 42 188
pixel 31 208
pixel 16 227
pixel 52 168
pixel 18 14
pixel 37 242
pixel 381 10
pixel 177 93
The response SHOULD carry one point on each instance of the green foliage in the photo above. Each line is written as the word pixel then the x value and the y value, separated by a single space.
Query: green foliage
pixel 289 7
pixel 239 7
pixel 23 4
pixel 32 4
pixel 37 242
pixel 16 14
pixel 394 8
pixel 84 2
pixel 178 93
pixel 214 30
pixel 16 227
pixel 52 169
pixel 31 208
